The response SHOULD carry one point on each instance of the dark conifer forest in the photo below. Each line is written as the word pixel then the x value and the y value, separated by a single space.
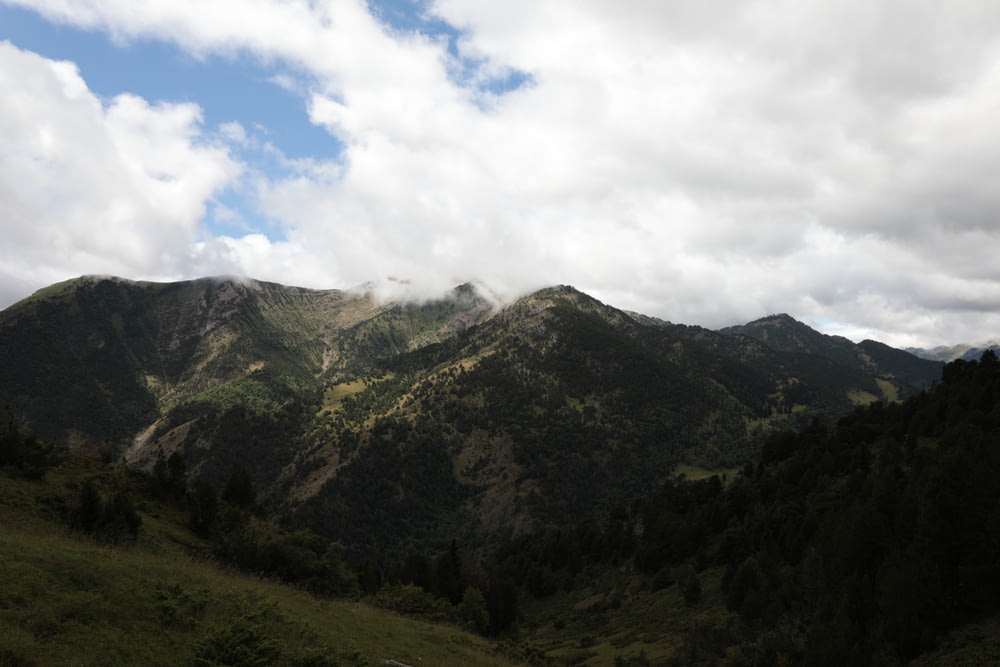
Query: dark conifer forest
pixel 861 543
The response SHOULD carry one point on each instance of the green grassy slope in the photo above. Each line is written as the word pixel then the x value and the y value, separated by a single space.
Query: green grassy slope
pixel 66 599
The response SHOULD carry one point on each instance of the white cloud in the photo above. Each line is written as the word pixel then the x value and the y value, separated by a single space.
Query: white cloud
pixel 233 132
pixel 707 162
pixel 89 186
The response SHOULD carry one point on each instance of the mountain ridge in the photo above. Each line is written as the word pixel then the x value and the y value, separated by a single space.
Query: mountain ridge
pixel 946 353
pixel 340 405
pixel 888 503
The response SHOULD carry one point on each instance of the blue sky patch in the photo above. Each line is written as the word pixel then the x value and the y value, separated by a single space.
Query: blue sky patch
pixel 415 16
pixel 238 88
pixel 227 89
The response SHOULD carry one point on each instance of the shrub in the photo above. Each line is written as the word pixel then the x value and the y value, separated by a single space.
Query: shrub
pixel 472 610
pixel 413 601
pixel 241 642
pixel 687 579
pixel 21 451
pixel 178 607
pixel 112 520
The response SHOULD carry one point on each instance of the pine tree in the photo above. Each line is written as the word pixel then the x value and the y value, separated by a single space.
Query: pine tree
pixel 239 489
pixel 203 507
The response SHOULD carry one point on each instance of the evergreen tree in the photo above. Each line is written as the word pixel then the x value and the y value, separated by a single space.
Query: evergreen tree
pixel 239 490
pixel 161 475
pixel 111 519
pixel 119 520
pixel 176 471
pixel 448 575
pixel 203 507
pixel 472 610
pixel 88 510
pixel 21 450
pixel 501 603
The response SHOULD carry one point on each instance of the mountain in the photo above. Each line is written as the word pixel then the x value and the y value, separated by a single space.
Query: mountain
pixel 871 541
pixel 786 334
pixel 119 357
pixel 399 427
pixel 953 352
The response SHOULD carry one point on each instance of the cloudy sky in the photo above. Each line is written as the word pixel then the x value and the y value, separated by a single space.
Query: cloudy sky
pixel 704 161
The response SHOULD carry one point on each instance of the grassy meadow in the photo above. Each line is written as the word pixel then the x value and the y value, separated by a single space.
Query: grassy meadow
pixel 67 599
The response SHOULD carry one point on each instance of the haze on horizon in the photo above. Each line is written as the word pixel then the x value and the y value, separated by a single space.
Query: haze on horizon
pixel 704 162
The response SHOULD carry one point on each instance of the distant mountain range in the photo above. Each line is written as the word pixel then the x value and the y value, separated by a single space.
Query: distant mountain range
pixel 400 426
pixel 952 352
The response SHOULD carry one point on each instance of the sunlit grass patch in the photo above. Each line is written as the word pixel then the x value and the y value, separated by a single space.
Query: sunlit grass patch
pixel 335 395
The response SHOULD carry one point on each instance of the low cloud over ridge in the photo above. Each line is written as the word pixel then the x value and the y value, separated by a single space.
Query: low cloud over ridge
pixel 703 162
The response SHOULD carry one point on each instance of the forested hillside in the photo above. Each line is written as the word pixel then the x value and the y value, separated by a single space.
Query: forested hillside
pixel 129 360
pixel 550 411
pixel 400 427
pixel 862 543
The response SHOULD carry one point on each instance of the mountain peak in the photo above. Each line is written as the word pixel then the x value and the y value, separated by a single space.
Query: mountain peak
pixel 570 296
pixel 783 333
pixel 776 319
